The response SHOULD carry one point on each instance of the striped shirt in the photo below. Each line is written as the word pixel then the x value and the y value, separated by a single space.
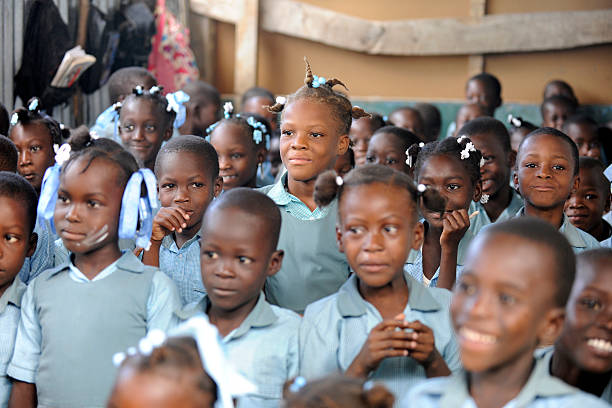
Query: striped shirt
pixel 182 265
pixel 284 199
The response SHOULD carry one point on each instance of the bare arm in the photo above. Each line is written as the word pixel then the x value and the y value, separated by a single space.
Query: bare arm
pixel 23 395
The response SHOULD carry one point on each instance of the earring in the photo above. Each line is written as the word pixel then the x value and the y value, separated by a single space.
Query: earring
pixel 484 199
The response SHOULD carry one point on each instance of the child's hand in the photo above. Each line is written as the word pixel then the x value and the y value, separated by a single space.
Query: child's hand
pixel 384 341
pixel 167 220
pixel 454 226
pixel 423 349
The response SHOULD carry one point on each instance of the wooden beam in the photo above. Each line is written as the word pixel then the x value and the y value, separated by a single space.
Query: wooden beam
pixel 500 33
pixel 203 37
pixel 476 62
pixel 247 28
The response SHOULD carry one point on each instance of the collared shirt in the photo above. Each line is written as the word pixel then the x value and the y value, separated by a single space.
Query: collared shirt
pixel 335 328
pixel 10 304
pixel 541 391
pixel 43 257
pixel 516 203
pixel 578 239
pixel 290 203
pixel 161 305
pixel 182 265
pixel 264 348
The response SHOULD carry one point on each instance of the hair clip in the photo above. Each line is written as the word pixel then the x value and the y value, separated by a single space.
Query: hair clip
pixel 146 345
pixel 139 90
pixel 484 199
pixel 176 102
pixel 259 129
pixel 408 158
pixel 154 90
pixel 228 108
pixel 14 119
pixel 421 188
pixel 515 121
pixel 421 145
pixel 210 129
pixel 465 153
pixel 135 208
pixel 318 81
pixel 339 181
pixel 482 162
pixel 368 385
pixel 297 384
pixel 385 118
pixel 281 100
pixel 461 138
pixel 62 153
pixel 33 104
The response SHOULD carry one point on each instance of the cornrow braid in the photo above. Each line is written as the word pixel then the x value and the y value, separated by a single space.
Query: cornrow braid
pixel 329 186
pixel 31 114
pixel 155 95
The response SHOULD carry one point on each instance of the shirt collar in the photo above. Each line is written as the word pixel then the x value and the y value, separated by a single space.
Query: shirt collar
pixel 127 262
pixel 351 303
pixel 278 193
pixel 169 243
pixel 13 294
pixel 571 233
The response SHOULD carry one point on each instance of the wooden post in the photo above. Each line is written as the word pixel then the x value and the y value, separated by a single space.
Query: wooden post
pixel 247 27
pixel 203 37
pixel 476 63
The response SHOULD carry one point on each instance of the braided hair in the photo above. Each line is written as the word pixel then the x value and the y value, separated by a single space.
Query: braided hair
pixel 31 114
pixel 158 101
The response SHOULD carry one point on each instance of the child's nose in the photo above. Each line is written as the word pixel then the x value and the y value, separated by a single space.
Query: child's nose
pixel 299 141
pixel 181 194
pixel 24 158
pixel 72 214
pixel 374 242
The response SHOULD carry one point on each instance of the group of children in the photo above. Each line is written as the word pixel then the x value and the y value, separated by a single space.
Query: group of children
pixel 318 241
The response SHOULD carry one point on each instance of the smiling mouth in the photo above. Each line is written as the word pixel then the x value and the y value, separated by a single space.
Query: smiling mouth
pixel 600 345
pixel 72 236
pixel 477 337
pixel 299 160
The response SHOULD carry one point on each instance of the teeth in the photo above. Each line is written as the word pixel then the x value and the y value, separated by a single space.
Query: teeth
pixel 476 336
pixel 600 344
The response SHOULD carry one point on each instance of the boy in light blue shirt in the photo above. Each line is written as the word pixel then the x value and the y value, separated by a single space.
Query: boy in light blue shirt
pixel 500 318
pixel 239 239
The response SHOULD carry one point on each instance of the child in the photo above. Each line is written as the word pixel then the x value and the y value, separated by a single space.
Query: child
pixel 555 111
pixel 381 324
pixel 345 163
pixel 409 119
pixel 491 138
pixel 79 314
pixel 360 134
pixel 587 205
pixel 120 85
pixel 315 123
pixel 500 318
pixel 145 122
pixel 388 147
pixel 452 167
pixel 337 391
pixel 546 175
pixel 582 356
pixel 519 128
pixel 261 340
pixel 202 108
pixel 172 375
pixel 431 119
pixel 466 113
pixel 255 100
pixel 188 180
pixel 240 141
pixel 558 87
pixel 8 155
pixel 583 130
pixel 18 208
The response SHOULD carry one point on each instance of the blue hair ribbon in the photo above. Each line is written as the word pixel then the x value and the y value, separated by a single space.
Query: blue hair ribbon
pixel 48 194
pixel 135 207
pixel 176 102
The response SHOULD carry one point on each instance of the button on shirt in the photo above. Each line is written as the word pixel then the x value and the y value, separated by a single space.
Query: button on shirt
pixel 182 265
pixel 264 348
pixel 335 328
pixel 10 304
pixel 163 301
pixel 541 391
pixel 290 203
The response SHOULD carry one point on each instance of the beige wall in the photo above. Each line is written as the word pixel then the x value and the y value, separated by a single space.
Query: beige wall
pixel 588 70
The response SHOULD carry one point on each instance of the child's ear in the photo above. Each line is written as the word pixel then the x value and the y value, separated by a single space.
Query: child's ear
pixel 575 184
pixel 168 133
pixel 261 156
pixel 218 183
pixel 516 180
pixel 343 145
pixel 477 191
pixel 418 235
pixel 552 326
pixel 32 244
pixel 276 261
pixel 339 238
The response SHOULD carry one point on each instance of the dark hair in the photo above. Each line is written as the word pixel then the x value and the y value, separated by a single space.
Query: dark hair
pixel 537 231
pixel 179 359
pixel 4 120
pixel 405 137
pixel 351 155
pixel 594 256
pixel 242 121
pixel 559 100
pixel 580 119
pixel 327 188
pixel 448 147
pixel 490 82
pixel 122 81
pixel 516 122
pixel 8 155
pixel 376 121
pixel 158 100
pixel 407 109
pixel 17 188
pixel 489 126
pixel 559 135
pixel 82 145
pixel 206 153
pixel 337 391
pixel 432 119
pixel 257 204
pixel 340 107
pixel 25 116
pixel 202 93
pixel 256 92
pixel 562 84
pixel 590 163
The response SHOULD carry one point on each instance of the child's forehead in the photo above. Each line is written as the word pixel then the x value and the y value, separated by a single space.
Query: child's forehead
pixel 186 161
pixel 15 205
pixel 534 144
pixel 138 105
pixel 29 131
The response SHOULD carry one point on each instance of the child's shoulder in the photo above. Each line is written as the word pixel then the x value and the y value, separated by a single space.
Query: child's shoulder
pixel 429 390
pixel 286 317
pixel 323 310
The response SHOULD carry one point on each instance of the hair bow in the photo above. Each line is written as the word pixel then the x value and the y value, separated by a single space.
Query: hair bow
pixel 318 81
pixel 176 102
pixel 135 207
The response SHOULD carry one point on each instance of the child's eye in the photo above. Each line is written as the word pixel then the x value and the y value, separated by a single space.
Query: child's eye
pixel 62 198
pixel 236 156
pixel 93 203
pixel 507 299
pixel 150 128
pixel 316 134
pixel 128 128
pixel 168 185
pixel 390 160
pixel 558 167
pixel 355 230
pixel 287 132
pixel 211 254
pixel 390 228
pixel 488 158
pixel 11 239
pixel 591 303
pixel 244 260
pixel 530 165
pixel 466 288
pixel 590 196
pixel 35 148
pixel 453 186
pixel 370 159
pixel 197 184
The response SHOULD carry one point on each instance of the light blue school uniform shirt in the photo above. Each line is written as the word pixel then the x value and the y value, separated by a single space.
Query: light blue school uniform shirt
pixel 162 303
pixel 334 330
pixel 578 239
pixel 290 203
pixel 182 265
pixel 516 203
pixel 264 348
pixel 43 257
pixel 541 391
pixel 10 311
